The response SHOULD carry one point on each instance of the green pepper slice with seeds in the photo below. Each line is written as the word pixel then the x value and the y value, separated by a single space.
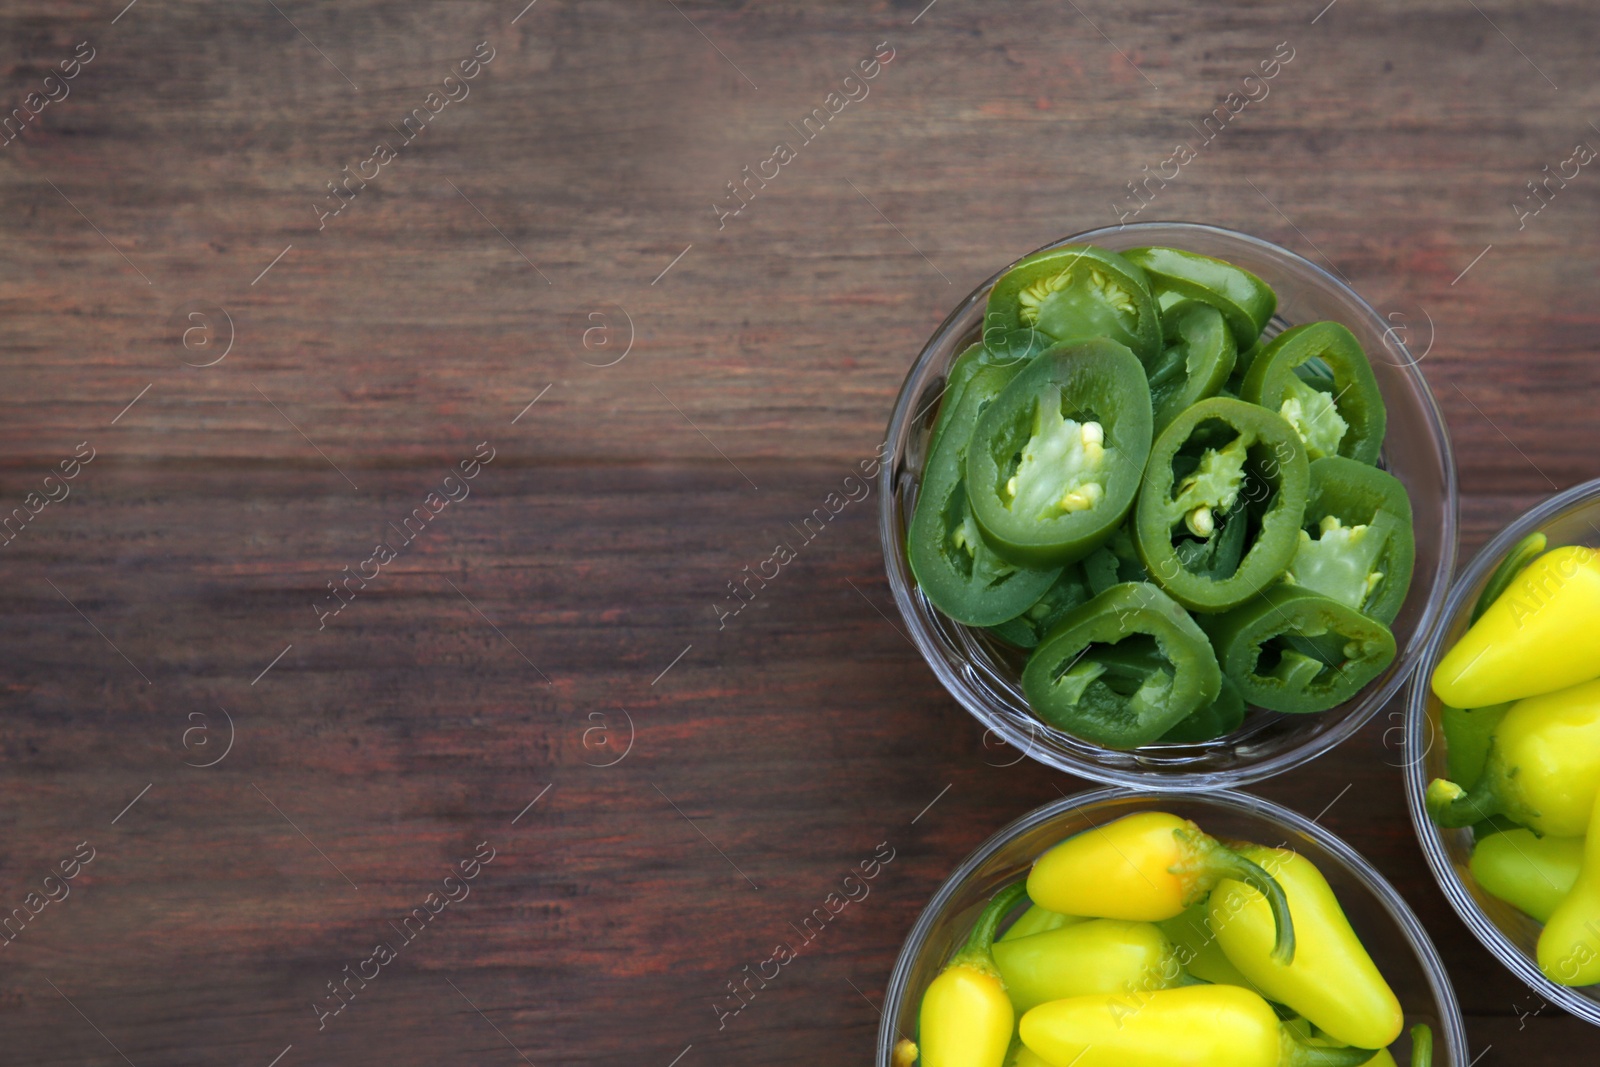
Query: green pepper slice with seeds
pixel 1244 300
pixel 1076 293
pixel 1317 377
pixel 955 568
pixel 1056 460
pixel 1276 649
pixel 1009 350
pixel 1123 669
pixel 1218 517
pixel 1357 545
pixel 1196 361
pixel 1071 590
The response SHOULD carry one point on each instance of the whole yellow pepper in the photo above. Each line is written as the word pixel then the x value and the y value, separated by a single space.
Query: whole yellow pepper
pixel 1147 867
pixel 1538 636
pixel 1097 956
pixel 1529 872
pixel 966 1019
pixel 1192 1026
pixel 1037 920
pixel 1569 945
pixel 1543 769
pixel 1332 981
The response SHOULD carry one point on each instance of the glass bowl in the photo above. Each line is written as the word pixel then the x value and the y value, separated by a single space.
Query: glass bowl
pixel 984 673
pixel 1391 933
pixel 1568 518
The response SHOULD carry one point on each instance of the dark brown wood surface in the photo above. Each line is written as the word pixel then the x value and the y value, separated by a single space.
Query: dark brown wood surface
pixel 164 205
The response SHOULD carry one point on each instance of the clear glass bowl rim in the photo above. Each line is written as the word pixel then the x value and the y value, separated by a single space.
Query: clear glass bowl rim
pixel 1453 1041
pixel 1482 927
pixel 1372 700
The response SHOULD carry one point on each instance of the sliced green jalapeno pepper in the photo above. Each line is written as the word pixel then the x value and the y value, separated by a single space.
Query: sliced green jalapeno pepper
pixel 961 371
pixel 1123 669
pixel 1357 545
pixel 1015 346
pixel 1196 361
pixel 1241 366
pixel 1218 518
pixel 954 567
pixel 1293 650
pixel 1338 416
pixel 1219 719
pixel 1055 461
pixel 1245 301
pixel 1077 293
pixel 1113 563
pixel 1071 590
pixel 1011 349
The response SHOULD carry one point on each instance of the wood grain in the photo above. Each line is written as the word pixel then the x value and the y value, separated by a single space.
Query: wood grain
pixel 509 644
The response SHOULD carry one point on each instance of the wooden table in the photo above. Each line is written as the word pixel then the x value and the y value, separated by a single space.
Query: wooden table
pixel 544 260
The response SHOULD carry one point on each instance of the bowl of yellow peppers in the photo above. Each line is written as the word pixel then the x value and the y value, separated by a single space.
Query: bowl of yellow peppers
pixel 1126 929
pixel 1503 749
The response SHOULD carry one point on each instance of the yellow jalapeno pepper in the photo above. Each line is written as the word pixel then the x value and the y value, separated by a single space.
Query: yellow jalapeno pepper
pixel 1147 867
pixel 966 1019
pixel 1037 920
pixel 1531 873
pixel 1543 769
pixel 1097 956
pixel 1569 945
pixel 1332 981
pixel 1197 1026
pixel 1538 636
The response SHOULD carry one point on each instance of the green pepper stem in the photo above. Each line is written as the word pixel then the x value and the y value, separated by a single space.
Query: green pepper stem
pixel 1229 864
pixel 977 951
pixel 1422 1044
pixel 1453 807
pixel 1298 1054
